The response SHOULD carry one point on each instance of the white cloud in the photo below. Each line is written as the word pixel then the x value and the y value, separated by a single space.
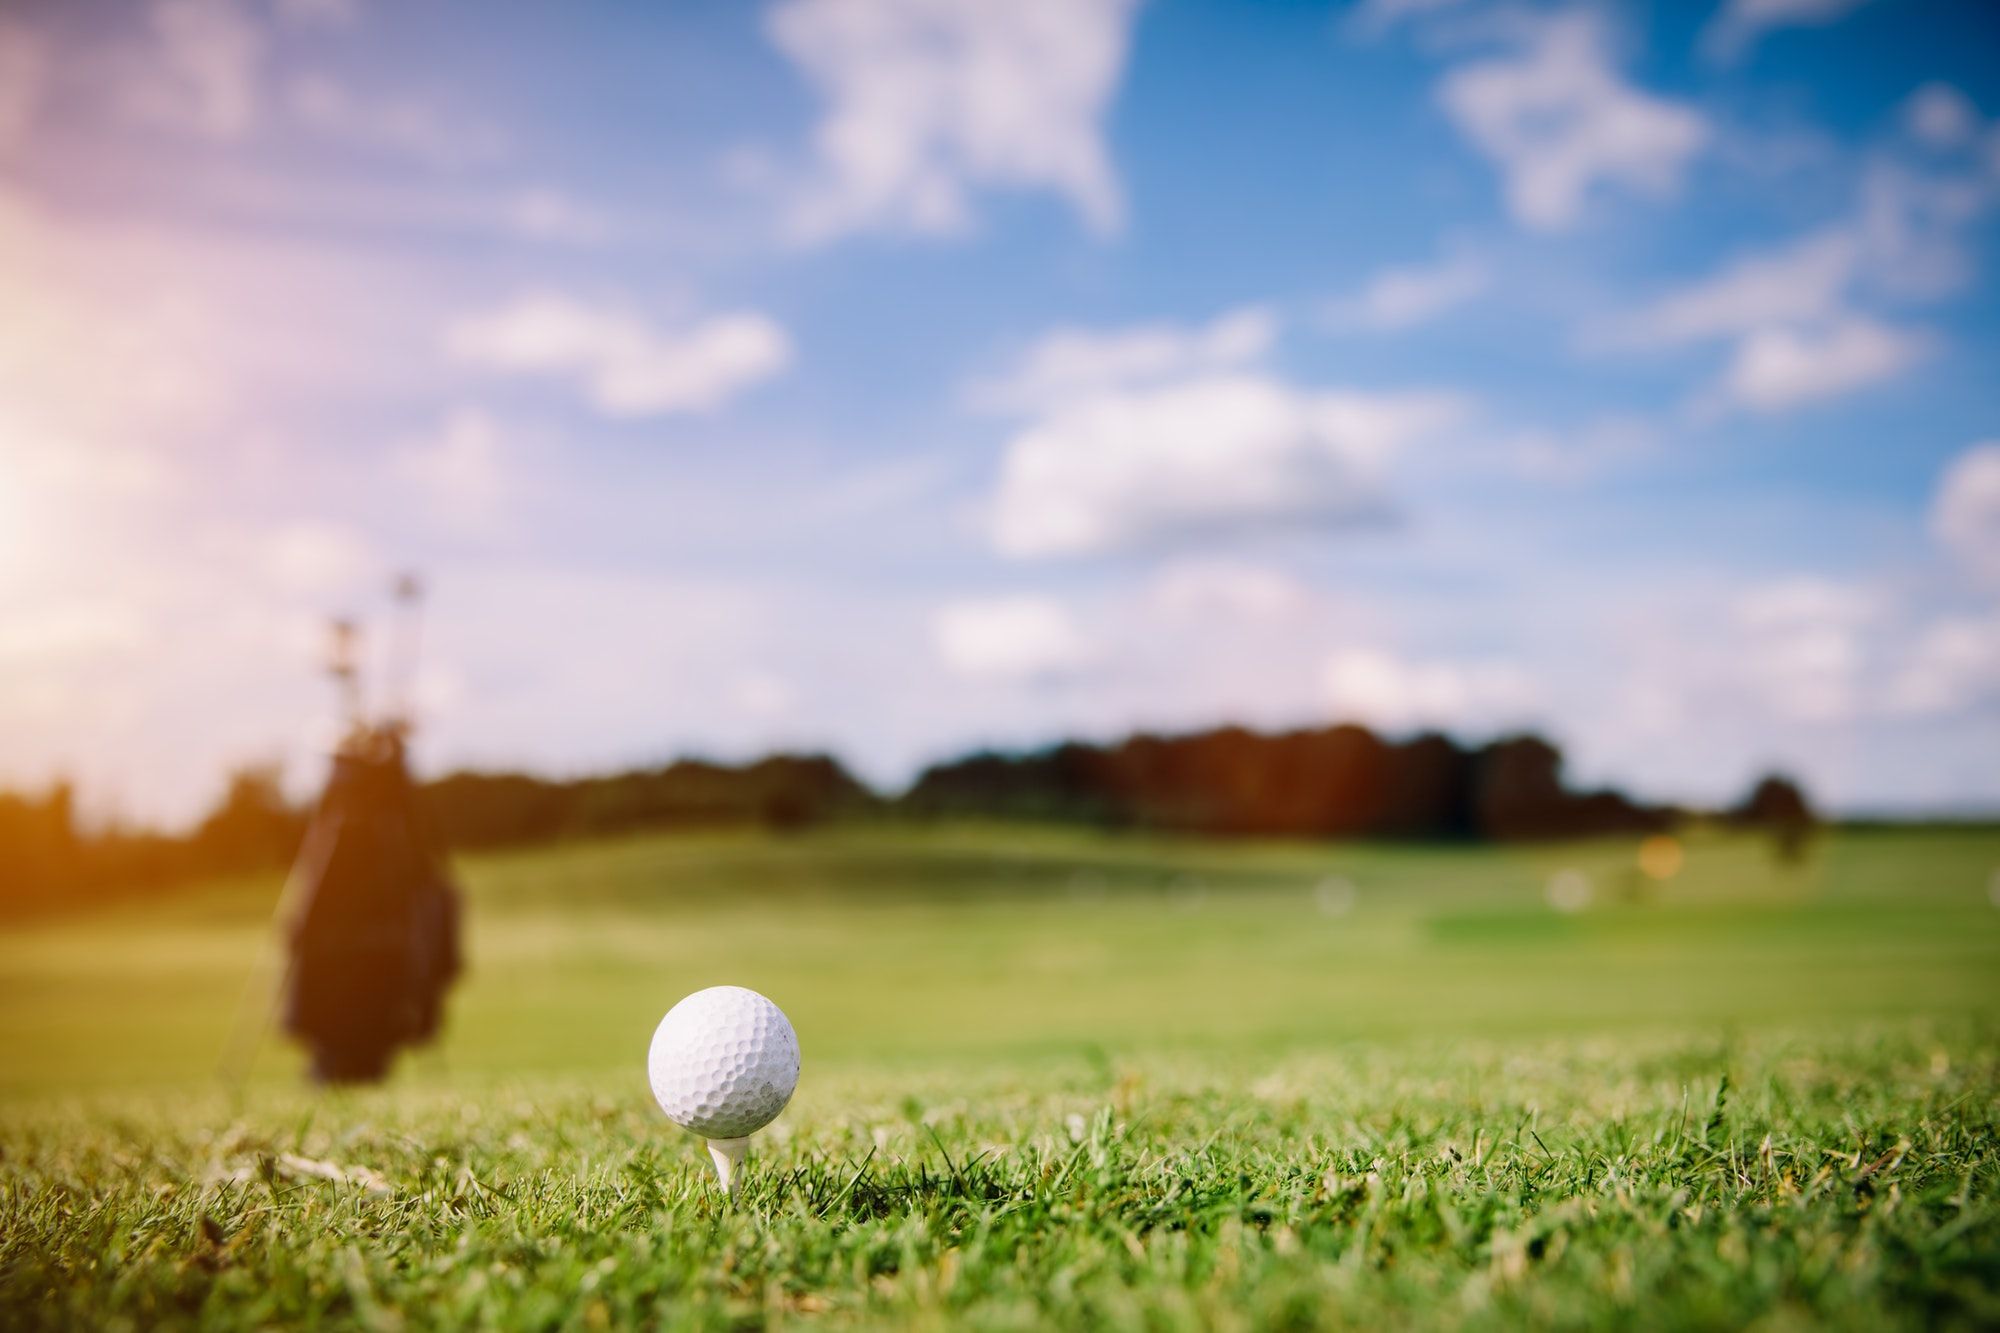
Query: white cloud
pixel 1071 363
pixel 1809 657
pixel 1400 298
pixel 1954 665
pixel 1805 281
pixel 627 367
pixel 1966 513
pixel 1159 434
pixel 1941 116
pixel 24 67
pixel 765 694
pixel 1801 646
pixel 1217 455
pixel 1795 314
pixel 1912 226
pixel 1377 687
pixel 1020 639
pixel 931 99
pixel 1788 603
pixel 1560 122
pixel 202 74
pixel 1740 24
pixel 203 70
pixel 1779 368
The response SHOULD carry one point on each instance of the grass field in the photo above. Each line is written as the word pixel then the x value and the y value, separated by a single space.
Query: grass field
pixel 1054 1077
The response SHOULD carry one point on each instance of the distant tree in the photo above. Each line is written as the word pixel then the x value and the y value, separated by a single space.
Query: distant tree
pixel 496 809
pixel 39 848
pixel 780 791
pixel 1428 790
pixel 1518 791
pixel 1341 781
pixel 1778 805
pixel 1334 782
pixel 1519 795
pixel 798 791
pixel 1350 768
pixel 1066 783
pixel 254 827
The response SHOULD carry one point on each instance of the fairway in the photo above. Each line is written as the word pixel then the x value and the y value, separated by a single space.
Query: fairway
pixel 1057 1076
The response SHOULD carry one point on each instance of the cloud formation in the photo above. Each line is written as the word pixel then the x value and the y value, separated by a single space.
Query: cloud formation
pixel 1802 648
pixel 1954 665
pixel 1011 640
pixel 1777 368
pixel 1402 298
pixel 1965 517
pixel 207 67
pixel 1941 116
pixel 1740 24
pixel 1811 656
pixel 625 366
pixel 1382 689
pixel 1066 363
pixel 1797 316
pixel 1561 123
pixel 1159 435
pixel 1216 456
pixel 164 461
pixel 1801 283
pixel 930 100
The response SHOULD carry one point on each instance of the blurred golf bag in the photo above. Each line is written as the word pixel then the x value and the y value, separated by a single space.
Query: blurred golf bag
pixel 370 917
pixel 374 933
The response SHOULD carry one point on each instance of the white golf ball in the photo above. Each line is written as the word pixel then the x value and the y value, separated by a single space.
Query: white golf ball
pixel 724 1062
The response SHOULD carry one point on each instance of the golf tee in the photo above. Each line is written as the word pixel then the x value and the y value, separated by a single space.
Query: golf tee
pixel 726 1153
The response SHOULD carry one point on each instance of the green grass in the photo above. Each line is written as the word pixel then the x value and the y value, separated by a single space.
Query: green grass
pixel 1057 1078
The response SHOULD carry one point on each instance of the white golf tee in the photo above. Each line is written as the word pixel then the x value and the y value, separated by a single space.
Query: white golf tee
pixel 727 1154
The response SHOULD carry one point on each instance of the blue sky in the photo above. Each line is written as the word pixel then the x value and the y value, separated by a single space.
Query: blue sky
pixel 895 376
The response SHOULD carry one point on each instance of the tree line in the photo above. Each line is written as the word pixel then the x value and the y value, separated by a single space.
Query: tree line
pixel 1332 782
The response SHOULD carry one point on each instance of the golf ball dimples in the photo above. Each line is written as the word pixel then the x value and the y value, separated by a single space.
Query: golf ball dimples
pixel 724 1062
